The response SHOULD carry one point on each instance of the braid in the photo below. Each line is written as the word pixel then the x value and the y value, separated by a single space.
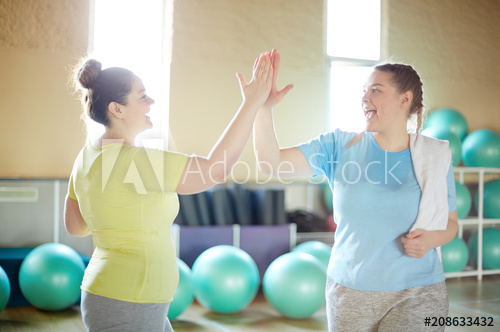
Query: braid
pixel 419 119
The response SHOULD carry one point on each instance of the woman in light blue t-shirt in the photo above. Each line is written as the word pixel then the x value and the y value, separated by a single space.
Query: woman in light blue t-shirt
pixel 382 275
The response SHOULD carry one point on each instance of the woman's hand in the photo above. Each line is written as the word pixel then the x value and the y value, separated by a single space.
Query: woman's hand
pixel 271 159
pixel 73 220
pixel 228 149
pixel 276 96
pixel 417 243
pixel 257 91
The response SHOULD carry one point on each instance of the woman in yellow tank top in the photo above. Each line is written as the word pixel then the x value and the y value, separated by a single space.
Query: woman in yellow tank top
pixel 126 196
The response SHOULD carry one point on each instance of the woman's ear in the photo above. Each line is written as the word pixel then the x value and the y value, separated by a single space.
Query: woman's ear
pixel 406 98
pixel 115 110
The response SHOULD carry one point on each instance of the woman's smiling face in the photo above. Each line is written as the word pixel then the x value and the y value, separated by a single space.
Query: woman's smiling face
pixel 382 104
pixel 137 107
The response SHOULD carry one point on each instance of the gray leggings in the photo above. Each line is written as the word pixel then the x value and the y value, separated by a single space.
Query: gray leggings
pixel 352 310
pixel 101 313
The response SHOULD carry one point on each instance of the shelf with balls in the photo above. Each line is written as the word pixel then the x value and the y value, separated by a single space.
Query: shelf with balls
pixel 476 161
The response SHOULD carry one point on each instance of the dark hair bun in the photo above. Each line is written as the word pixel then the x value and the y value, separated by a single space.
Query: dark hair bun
pixel 88 73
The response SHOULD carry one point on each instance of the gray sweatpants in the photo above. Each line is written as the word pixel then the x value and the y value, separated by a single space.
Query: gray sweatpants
pixel 353 310
pixel 101 313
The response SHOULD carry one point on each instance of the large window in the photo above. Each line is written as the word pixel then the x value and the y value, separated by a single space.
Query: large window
pixel 135 34
pixel 353 47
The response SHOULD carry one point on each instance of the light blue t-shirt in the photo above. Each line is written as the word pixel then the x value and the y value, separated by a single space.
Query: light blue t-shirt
pixel 376 198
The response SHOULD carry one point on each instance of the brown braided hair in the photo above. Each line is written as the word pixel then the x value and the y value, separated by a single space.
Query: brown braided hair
pixel 405 78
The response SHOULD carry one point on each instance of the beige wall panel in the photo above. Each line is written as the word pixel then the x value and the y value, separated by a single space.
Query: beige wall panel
pixel 40 131
pixel 455 46
pixel 215 39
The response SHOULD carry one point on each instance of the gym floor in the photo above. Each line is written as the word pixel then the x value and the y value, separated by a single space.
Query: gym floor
pixel 468 298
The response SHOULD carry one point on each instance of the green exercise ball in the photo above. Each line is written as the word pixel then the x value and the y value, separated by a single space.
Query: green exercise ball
pixel 184 294
pixel 491 199
pixel 294 284
pixel 4 289
pixel 447 135
pixel 455 255
pixel 481 148
pixel 328 197
pixel 464 200
pixel 318 249
pixel 226 278
pixel 448 119
pixel 491 248
pixel 50 276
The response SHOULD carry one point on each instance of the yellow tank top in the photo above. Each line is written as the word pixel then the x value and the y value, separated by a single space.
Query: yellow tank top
pixel 127 197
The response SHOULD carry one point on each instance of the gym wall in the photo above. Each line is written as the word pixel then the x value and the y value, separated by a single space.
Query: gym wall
pixel 454 44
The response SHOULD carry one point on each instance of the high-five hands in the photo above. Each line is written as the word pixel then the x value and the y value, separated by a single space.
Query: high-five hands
pixel 257 91
pixel 275 96
pixel 265 75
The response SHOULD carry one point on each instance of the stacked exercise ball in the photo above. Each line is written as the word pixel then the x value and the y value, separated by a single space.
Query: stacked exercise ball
pixel 455 255
pixel 317 249
pixel 50 276
pixel 448 120
pixel 4 289
pixel 449 125
pixel 481 148
pixel 491 248
pixel 294 284
pixel 464 200
pixel 184 294
pixel 226 278
pixel 491 199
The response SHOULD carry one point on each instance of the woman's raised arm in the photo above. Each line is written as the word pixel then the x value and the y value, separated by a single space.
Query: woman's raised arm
pixel 271 159
pixel 202 173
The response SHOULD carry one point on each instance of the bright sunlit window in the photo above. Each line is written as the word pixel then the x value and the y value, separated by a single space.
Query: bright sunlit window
pixel 131 34
pixel 346 91
pixel 353 47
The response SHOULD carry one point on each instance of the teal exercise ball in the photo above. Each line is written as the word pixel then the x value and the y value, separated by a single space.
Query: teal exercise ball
pixel 184 294
pixel 481 148
pixel 455 255
pixel 464 200
pixel 328 197
pixel 448 119
pixel 491 199
pixel 294 284
pixel 50 276
pixel 447 135
pixel 318 249
pixel 226 279
pixel 491 248
pixel 4 289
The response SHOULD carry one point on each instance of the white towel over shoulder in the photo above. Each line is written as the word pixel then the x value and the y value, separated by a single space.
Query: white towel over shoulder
pixel 431 160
